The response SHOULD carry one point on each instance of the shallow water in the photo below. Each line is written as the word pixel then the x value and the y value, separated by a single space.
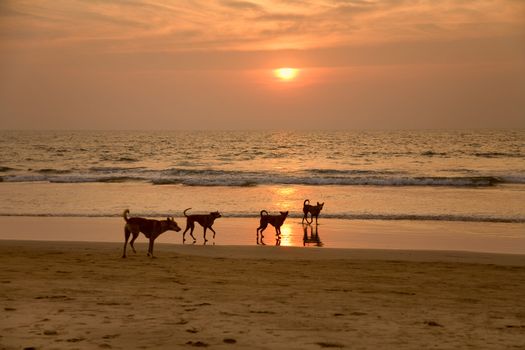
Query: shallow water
pixel 414 203
pixel 330 233
pixel 414 176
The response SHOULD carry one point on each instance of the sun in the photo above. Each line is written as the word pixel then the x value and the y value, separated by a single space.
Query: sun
pixel 286 74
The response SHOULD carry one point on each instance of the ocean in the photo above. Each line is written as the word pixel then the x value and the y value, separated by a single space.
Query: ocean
pixel 409 176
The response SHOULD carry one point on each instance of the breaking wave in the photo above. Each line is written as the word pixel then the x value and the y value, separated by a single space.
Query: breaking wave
pixel 212 177
pixel 297 215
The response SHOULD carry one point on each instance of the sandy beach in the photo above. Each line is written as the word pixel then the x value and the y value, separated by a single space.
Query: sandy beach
pixel 83 295
pixel 384 139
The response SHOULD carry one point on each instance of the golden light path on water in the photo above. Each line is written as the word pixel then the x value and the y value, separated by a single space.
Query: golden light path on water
pixel 287 236
pixel 291 232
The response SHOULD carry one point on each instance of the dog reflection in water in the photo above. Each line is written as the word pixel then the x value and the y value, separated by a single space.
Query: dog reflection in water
pixel 275 220
pixel 313 238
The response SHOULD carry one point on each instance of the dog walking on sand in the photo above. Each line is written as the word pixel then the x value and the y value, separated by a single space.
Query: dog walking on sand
pixel 205 220
pixel 274 220
pixel 150 228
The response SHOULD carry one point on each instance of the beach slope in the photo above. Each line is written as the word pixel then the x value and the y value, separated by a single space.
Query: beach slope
pixel 66 295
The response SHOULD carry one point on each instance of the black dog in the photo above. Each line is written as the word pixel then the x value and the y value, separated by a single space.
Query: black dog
pixel 274 220
pixel 314 211
pixel 205 221
pixel 150 228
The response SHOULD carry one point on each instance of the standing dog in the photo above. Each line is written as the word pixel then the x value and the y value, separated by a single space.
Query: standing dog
pixel 314 211
pixel 205 220
pixel 150 228
pixel 274 220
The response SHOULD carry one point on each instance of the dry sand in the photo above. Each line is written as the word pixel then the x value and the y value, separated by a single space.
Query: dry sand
pixel 82 295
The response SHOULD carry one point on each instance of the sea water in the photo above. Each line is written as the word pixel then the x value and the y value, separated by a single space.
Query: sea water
pixel 410 176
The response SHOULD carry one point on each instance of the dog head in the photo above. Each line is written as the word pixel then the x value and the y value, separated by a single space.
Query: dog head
pixel 215 214
pixel 284 213
pixel 172 225
pixel 320 205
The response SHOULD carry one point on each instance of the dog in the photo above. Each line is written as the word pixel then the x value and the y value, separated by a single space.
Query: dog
pixel 274 220
pixel 314 211
pixel 150 228
pixel 205 220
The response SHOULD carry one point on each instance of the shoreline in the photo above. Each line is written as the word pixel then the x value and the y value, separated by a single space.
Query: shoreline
pixel 285 253
pixel 330 233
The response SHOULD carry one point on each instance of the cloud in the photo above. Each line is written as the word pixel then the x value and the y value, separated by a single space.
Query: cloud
pixel 242 5
pixel 149 26
pixel 145 58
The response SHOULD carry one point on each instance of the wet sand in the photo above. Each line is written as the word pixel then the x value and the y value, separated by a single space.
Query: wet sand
pixel 83 295
pixel 330 233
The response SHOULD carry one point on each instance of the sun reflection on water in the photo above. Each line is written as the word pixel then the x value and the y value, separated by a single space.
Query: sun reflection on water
pixel 284 198
pixel 286 191
pixel 286 235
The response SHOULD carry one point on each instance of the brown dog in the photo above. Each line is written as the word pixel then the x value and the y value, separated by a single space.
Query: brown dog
pixel 150 228
pixel 314 211
pixel 274 220
pixel 205 220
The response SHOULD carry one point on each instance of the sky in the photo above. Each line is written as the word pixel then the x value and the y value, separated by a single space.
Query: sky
pixel 361 64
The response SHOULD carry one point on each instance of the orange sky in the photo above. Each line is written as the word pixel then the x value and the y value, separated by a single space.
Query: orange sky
pixel 209 64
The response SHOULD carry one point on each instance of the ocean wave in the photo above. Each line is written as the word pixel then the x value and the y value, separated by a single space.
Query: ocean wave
pixel 209 177
pixel 242 178
pixel 397 217
pixel 497 155
pixel 434 154
pixel 479 181
pixel 513 179
pixel 113 169
pixel 53 171
pixel 4 169
pixel 297 215
pixel 351 172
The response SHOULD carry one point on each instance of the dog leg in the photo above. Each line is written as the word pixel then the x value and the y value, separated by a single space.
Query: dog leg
pixel 212 230
pixel 205 240
pixel 150 248
pixel 261 229
pixel 261 240
pixel 311 219
pixel 184 233
pixel 135 236
pixel 126 236
pixel 191 232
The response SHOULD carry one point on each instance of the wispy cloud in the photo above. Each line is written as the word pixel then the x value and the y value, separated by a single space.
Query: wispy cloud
pixel 242 5
pixel 152 25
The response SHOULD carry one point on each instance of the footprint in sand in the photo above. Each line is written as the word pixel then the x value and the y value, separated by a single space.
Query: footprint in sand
pixel 198 344
pixel 330 345
pixel 111 336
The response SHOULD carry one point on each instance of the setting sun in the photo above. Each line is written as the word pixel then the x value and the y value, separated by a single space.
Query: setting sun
pixel 286 73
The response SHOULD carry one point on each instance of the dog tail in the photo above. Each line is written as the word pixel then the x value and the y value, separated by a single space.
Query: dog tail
pixel 125 214
pixel 185 212
pixel 264 211
pixel 306 201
